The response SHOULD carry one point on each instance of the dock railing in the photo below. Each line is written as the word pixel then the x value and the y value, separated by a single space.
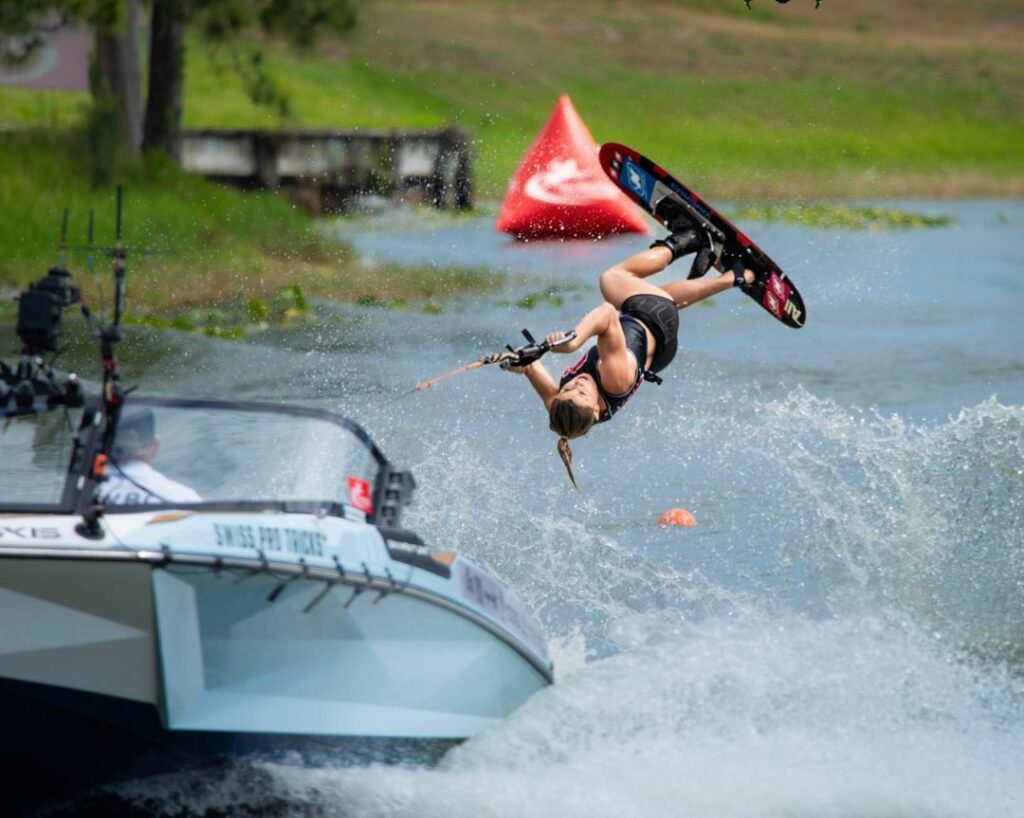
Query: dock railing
pixel 325 170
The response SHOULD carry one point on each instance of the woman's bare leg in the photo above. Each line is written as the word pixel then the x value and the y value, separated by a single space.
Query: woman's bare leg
pixel 686 292
pixel 626 279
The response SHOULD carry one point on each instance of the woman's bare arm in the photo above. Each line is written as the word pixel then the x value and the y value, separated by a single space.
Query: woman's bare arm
pixel 541 381
pixel 596 322
pixel 617 366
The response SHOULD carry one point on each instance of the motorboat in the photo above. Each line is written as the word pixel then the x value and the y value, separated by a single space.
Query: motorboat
pixel 188 581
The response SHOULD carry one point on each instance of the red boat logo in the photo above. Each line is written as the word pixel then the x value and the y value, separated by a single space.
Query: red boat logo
pixel 359 494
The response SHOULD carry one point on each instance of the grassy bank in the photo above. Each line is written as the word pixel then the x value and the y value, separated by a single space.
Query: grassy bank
pixel 866 99
pixel 874 98
pixel 214 244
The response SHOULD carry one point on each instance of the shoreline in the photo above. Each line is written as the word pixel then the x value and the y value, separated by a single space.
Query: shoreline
pixel 275 289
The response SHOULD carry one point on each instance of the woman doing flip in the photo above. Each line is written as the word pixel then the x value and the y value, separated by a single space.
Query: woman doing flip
pixel 636 329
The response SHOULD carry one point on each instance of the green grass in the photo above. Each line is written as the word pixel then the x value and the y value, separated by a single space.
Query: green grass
pixel 740 103
pixel 779 102
pixel 847 217
pixel 819 127
pixel 920 97
pixel 213 244
pixel 913 114
pixel 41 109
pixel 194 225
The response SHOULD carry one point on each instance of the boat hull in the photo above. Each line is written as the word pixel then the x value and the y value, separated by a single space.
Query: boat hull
pixel 128 667
pixel 60 744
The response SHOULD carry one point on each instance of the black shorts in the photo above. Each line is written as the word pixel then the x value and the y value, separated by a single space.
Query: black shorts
pixel 661 317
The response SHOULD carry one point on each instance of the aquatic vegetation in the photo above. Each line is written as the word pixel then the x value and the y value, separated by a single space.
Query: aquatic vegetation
pixel 235 333
pixel 295 297
pixel 841 216
pixel 258 310
pixel 549 297
pixel 233 321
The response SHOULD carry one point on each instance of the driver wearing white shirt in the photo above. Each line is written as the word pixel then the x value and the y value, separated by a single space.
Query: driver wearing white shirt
pixel 131 480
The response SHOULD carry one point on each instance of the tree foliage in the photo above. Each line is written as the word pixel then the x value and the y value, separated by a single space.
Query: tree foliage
pixel 24 24
pixel 298 21
pixel 227 23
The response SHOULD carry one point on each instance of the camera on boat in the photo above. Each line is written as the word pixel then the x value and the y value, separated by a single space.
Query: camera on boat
pixel 41 307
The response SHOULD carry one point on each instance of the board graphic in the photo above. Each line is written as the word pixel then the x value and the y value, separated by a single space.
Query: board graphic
pixel 661 195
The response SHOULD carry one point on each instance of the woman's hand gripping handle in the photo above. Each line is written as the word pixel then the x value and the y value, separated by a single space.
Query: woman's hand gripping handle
pixel 564 342
pixel 519 359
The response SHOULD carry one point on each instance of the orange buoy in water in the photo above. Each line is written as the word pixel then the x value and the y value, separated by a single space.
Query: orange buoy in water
pixel 677 517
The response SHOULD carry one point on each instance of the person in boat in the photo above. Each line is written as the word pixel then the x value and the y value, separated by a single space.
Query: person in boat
pixel 636 329
pixel 131 479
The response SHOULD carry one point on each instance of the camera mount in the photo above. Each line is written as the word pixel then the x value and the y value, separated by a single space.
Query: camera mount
pixel 31 385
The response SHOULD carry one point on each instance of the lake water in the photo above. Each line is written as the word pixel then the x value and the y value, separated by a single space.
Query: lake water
pixel 842 633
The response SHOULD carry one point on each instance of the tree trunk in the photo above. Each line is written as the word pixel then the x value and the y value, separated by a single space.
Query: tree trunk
pixel 117 77
pixel 166 77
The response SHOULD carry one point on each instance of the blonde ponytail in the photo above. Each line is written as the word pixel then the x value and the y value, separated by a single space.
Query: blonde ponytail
pixel 566 454
pixel 568 420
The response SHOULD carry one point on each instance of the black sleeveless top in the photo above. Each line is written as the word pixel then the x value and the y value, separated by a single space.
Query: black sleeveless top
pixel 636 342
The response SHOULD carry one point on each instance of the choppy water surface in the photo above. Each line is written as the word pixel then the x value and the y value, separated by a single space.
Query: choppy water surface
pixel 842 633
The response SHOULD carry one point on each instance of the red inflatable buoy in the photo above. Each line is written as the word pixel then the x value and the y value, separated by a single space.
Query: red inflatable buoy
pixel 560 190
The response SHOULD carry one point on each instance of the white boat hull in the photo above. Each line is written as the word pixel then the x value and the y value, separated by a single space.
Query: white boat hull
pixel 186 653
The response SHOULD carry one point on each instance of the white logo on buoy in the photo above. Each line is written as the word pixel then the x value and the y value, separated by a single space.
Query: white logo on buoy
pixel 563 183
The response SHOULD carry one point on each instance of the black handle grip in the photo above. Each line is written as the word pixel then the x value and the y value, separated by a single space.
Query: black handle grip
pixel 533 351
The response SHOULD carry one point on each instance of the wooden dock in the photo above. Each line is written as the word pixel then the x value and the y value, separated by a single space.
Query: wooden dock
pixel 327 170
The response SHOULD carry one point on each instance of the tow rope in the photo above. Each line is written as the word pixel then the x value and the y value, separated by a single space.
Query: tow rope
pixel 508 358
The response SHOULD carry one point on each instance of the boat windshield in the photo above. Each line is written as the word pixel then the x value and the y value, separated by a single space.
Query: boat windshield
pixel 35 451
pixel 168 452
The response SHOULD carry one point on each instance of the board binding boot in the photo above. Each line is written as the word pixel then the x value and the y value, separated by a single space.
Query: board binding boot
pixel 687 235
pixel 689 241
pixel 704 259
pixel 674 215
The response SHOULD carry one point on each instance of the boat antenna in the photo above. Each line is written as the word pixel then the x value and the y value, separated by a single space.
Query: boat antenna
pixel 113 392
pixel 90 263
pixel 119 256
pixel 62 255
pixel 110 335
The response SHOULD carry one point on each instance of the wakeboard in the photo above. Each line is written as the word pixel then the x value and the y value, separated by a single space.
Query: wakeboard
pixel 661 195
